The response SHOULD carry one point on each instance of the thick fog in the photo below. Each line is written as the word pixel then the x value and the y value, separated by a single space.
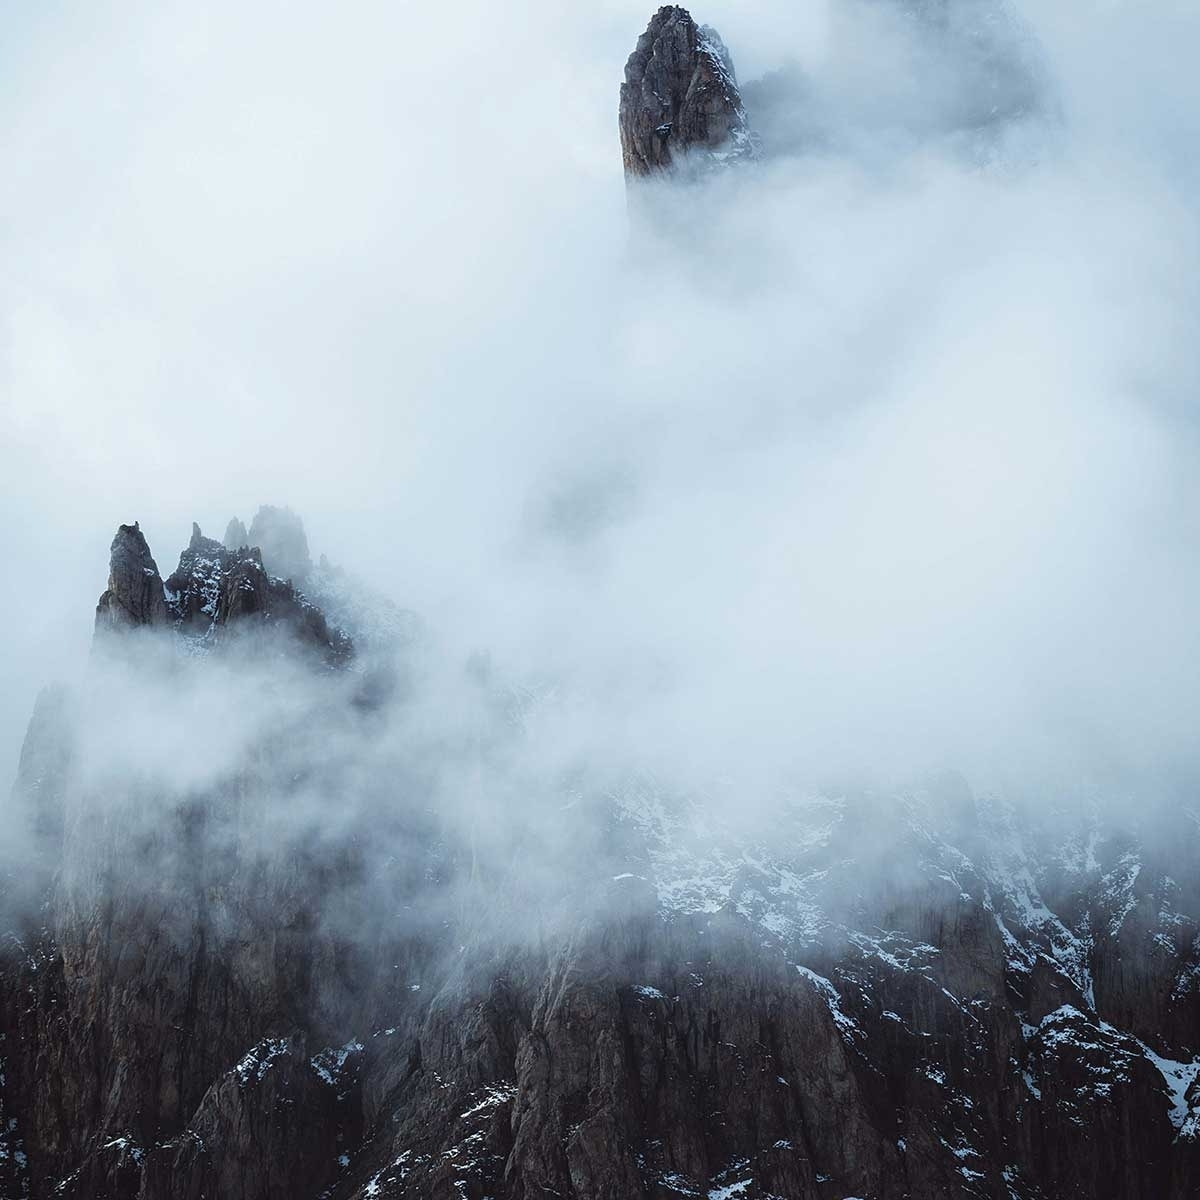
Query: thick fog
pixel 875 457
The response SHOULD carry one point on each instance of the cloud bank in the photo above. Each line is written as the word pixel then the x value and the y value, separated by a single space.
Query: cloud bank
pixel 880 458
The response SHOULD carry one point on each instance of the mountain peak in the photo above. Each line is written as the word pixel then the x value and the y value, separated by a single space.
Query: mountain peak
pixel 216 587
pixel 680 105
pixel 235 535
pixel 134 596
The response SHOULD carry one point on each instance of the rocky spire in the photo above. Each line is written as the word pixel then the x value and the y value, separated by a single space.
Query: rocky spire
pixel 135 588
pixel 680 104
pixel 279 534
pixel 235 535
pixel 215 588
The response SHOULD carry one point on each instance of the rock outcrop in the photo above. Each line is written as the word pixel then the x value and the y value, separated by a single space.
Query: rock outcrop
pixel 219 591
pixel 680 109
pixel 967 74
pixel 216 592
pixel 134 596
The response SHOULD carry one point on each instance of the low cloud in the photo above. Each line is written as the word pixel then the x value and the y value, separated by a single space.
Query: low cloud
pixel 877 460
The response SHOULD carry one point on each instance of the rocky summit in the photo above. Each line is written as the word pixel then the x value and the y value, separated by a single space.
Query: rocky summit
pixel 134 595
pixel 218 590
pixel 681 111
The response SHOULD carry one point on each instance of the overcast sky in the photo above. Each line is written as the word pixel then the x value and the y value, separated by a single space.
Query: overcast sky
pixel 890 456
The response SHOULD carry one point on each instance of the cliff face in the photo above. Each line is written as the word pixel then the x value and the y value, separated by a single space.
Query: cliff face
pixel 963 1002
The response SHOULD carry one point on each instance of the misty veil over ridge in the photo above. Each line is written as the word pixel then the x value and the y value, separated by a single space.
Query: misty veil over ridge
pixel 719 718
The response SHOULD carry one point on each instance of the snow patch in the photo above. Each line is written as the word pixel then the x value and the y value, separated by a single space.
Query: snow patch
pixel 257 1061
pixel 847 1026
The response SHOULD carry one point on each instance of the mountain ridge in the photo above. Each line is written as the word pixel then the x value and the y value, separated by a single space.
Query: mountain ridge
pixel 802 1009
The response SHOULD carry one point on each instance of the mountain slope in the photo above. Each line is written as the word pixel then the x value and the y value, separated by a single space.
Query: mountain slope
pixel 203 992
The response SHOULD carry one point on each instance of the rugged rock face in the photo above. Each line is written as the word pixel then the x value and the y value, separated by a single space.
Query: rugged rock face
pixel 135 591
pixel 948 999
pixel 216 592
pixel 129 956
pixel 680 106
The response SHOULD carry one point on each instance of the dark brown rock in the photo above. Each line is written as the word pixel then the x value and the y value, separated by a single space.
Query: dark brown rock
pixel 134 596
pixel 217 595
pixel 274 1118
pixel 680 106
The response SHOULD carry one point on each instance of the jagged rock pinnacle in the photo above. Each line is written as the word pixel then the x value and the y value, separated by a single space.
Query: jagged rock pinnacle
pixel 217 591
pixel 680 102
pixel 135 589
pixel 235 535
